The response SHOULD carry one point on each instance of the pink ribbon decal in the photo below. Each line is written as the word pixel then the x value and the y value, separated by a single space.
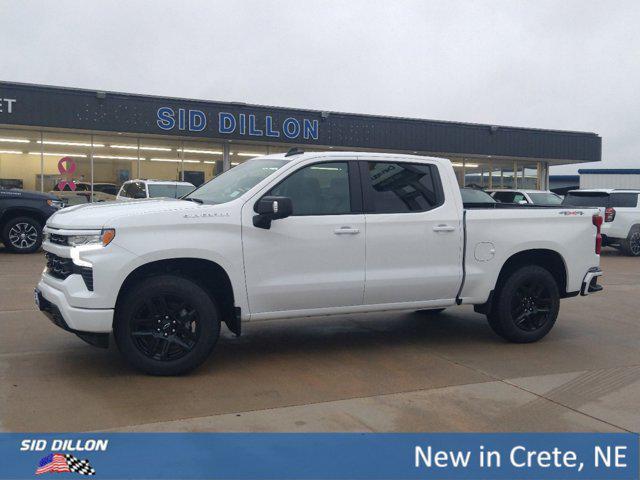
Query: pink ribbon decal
pixel 67 170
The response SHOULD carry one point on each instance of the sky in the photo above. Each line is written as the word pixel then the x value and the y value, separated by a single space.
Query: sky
pixel 568 65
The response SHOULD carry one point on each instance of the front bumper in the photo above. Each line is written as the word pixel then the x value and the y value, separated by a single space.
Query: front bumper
pixel 84 322
pixel 590 282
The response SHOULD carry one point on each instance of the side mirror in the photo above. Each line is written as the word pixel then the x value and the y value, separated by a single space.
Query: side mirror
pixel 523 202
pixel 271 208
pixel 139 195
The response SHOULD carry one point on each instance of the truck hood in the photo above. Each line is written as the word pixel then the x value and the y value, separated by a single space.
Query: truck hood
pixel 105 214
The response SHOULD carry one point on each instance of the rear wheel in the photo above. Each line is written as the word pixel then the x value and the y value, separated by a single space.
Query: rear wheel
pixel 166 325
pixel 631 245
pixel 22 235
pixel 526 305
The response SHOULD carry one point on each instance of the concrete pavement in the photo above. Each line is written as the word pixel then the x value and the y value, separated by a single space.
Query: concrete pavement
pixel 383 372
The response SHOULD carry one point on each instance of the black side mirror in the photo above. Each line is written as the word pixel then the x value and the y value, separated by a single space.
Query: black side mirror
pixel 271 208
pixel 139 195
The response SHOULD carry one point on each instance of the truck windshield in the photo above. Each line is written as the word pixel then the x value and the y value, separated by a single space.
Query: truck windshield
pixel 233 183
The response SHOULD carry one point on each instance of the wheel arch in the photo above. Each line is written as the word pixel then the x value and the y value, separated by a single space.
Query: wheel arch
pixel 15 212
pixel 207 273
pixel 545 258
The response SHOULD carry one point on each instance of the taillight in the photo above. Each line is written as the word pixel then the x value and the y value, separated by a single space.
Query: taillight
pixel 597 221
pixel 609 214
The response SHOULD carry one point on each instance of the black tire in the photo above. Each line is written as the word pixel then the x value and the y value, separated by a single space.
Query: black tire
pixel 166 325
pixel 526 305
pixel 631 245
pixel 22 235
pixel 431 311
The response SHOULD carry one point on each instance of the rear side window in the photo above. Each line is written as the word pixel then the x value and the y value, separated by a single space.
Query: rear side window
pixel 401 187
pixel 504 197
pixel 509 197
pixel 586 199
pixel 624 200
pixel 597 199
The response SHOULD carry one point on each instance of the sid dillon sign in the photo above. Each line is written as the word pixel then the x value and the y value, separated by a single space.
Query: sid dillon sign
pixel 242 124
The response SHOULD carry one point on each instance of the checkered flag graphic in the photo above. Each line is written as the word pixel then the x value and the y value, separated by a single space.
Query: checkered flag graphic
pixel 83 467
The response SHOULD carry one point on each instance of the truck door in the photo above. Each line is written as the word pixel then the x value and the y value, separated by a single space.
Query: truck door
pixel 315 258
pixel 414 233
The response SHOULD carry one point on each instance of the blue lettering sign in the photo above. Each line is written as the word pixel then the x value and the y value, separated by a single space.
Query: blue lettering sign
pixel 226 122
pixel 269 131
pixel 194 120
pixel 291 128
pixel 197 120
pixel 252 127
pixel 310 129
pixel 165 118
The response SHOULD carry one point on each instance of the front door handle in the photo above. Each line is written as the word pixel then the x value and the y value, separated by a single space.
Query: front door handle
pixel 443 228
pixel 346 231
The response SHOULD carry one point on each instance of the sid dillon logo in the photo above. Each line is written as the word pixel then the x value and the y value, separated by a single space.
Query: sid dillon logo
pixel 57 462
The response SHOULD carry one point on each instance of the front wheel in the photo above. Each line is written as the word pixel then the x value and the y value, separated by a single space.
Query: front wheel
pixel 526 305
pixel 166 325
pixel 22 235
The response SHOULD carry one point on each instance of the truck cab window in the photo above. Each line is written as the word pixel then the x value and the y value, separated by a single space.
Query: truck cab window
pixel 402 187
pixel 318 189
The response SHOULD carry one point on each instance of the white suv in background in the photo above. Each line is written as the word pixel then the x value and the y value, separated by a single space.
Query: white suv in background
pixel 526 197
pixel 133 189
pixel 621 227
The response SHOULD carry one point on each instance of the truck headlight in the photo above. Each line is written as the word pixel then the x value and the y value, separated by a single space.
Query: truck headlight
pixel 101 239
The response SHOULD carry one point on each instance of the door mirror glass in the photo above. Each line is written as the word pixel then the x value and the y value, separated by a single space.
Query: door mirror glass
pixel 271 208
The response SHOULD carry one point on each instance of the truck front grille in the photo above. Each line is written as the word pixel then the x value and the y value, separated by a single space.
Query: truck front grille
pixel 61 268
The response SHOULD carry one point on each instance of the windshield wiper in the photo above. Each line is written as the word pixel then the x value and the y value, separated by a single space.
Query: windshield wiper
pixel 197 200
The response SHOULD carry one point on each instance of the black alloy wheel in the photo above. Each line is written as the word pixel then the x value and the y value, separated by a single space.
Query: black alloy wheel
pixel 631 246
pixel 531 305
pixel 526 305
pixel 166 324
pixel 165 328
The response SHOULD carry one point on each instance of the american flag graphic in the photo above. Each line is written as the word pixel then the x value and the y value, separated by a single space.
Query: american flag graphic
pixel 60 463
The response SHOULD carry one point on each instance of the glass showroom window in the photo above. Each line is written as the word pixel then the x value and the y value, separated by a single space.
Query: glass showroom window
pixel 458 168
pixel 528 176
pixel 476 174
pixel 202 161
pixel 242 152
pixel 112 165
pixel 67 168
pixel 160 159
pixel 20 160
pixel 502 174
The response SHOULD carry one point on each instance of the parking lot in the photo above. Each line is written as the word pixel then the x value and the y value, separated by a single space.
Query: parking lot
pixel 383 372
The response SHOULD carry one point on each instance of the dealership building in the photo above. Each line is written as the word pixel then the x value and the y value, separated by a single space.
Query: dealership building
pixel 50 134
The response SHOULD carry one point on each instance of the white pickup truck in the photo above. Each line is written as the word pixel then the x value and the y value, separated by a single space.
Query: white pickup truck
pixel 308 234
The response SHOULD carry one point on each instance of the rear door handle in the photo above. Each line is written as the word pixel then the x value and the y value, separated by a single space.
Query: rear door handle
pixel 346 231
pixel 443 228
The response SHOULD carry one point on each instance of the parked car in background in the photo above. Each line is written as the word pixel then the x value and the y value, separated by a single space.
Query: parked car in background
pixel 526 197
pixel 133 189
pixel 285 236
pixel 621 227
pixel 102 192
pixel 23 214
